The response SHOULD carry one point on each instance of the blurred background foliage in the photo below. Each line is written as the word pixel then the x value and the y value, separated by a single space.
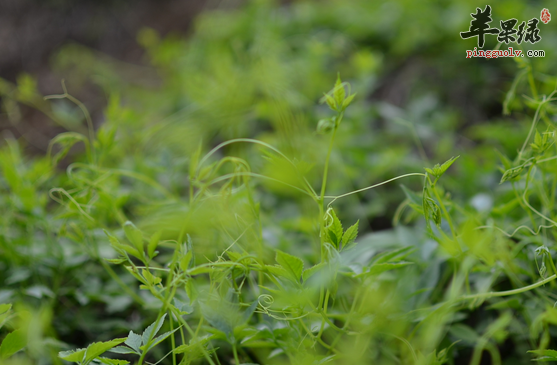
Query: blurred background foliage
pixel 255 69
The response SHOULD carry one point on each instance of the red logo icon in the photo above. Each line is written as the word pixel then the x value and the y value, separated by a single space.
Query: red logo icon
pixel 545 16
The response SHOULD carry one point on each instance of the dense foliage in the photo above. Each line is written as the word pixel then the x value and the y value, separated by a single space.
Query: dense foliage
pixel 239 206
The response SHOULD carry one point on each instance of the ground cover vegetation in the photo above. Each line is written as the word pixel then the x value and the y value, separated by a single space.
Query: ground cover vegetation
pixel 261 195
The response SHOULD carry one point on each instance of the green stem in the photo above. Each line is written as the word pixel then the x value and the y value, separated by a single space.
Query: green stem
pixel 322 202
pixel 324 314
pixel 323 343
pixel 445 213
pixel 510 292
pixel 236 359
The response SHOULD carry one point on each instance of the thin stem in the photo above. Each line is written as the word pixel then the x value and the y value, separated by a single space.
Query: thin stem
pixel 371 187
pixel 236 359
pixel 447 216
pixel 322 202
pixel 510 292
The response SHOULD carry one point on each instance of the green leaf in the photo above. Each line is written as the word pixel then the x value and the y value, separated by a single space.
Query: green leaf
pixel 350 235
pixel 157 340
pixel 194 347
pixel 292 264
pixel 185 261
pixel 546 355
pixel 334 230
pixel 339 94
pixel 511 174
pixel 348 101
pixel 277 270
pixel 338 82
pixel 433 210
pixel 4 308
pixel 4 313
pixel 395 255
pixel 76 355
pixel 438 171
pixel 331 102
pixel 121 248
pixel 98 348
pixel 134 235
pixel 12 343
pixel 123 350
pixel 152 330
pixel 108 361
pixel 201 270
pixel 134 341
pixel 153 243
pixel 195 160
pixel 115 261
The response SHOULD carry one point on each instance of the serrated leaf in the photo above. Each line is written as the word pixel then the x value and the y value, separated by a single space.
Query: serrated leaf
pixel 76 355
pixel 12 343
pixel 134 235
pixel 334 229
pixel 292 264
pixel 438 171
pixel 123 350
pixel 98 348
pixel 434 210
pixel 105 360
pixel 511 174
pixel 339 94
pixel 158 340
pixel 277 270
pixel 334 239
pixel 546 355
pixel 193 347
pixel 134 341
pixel 446 165
pixel 152 330
pixel 395 255
pixel 350 234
